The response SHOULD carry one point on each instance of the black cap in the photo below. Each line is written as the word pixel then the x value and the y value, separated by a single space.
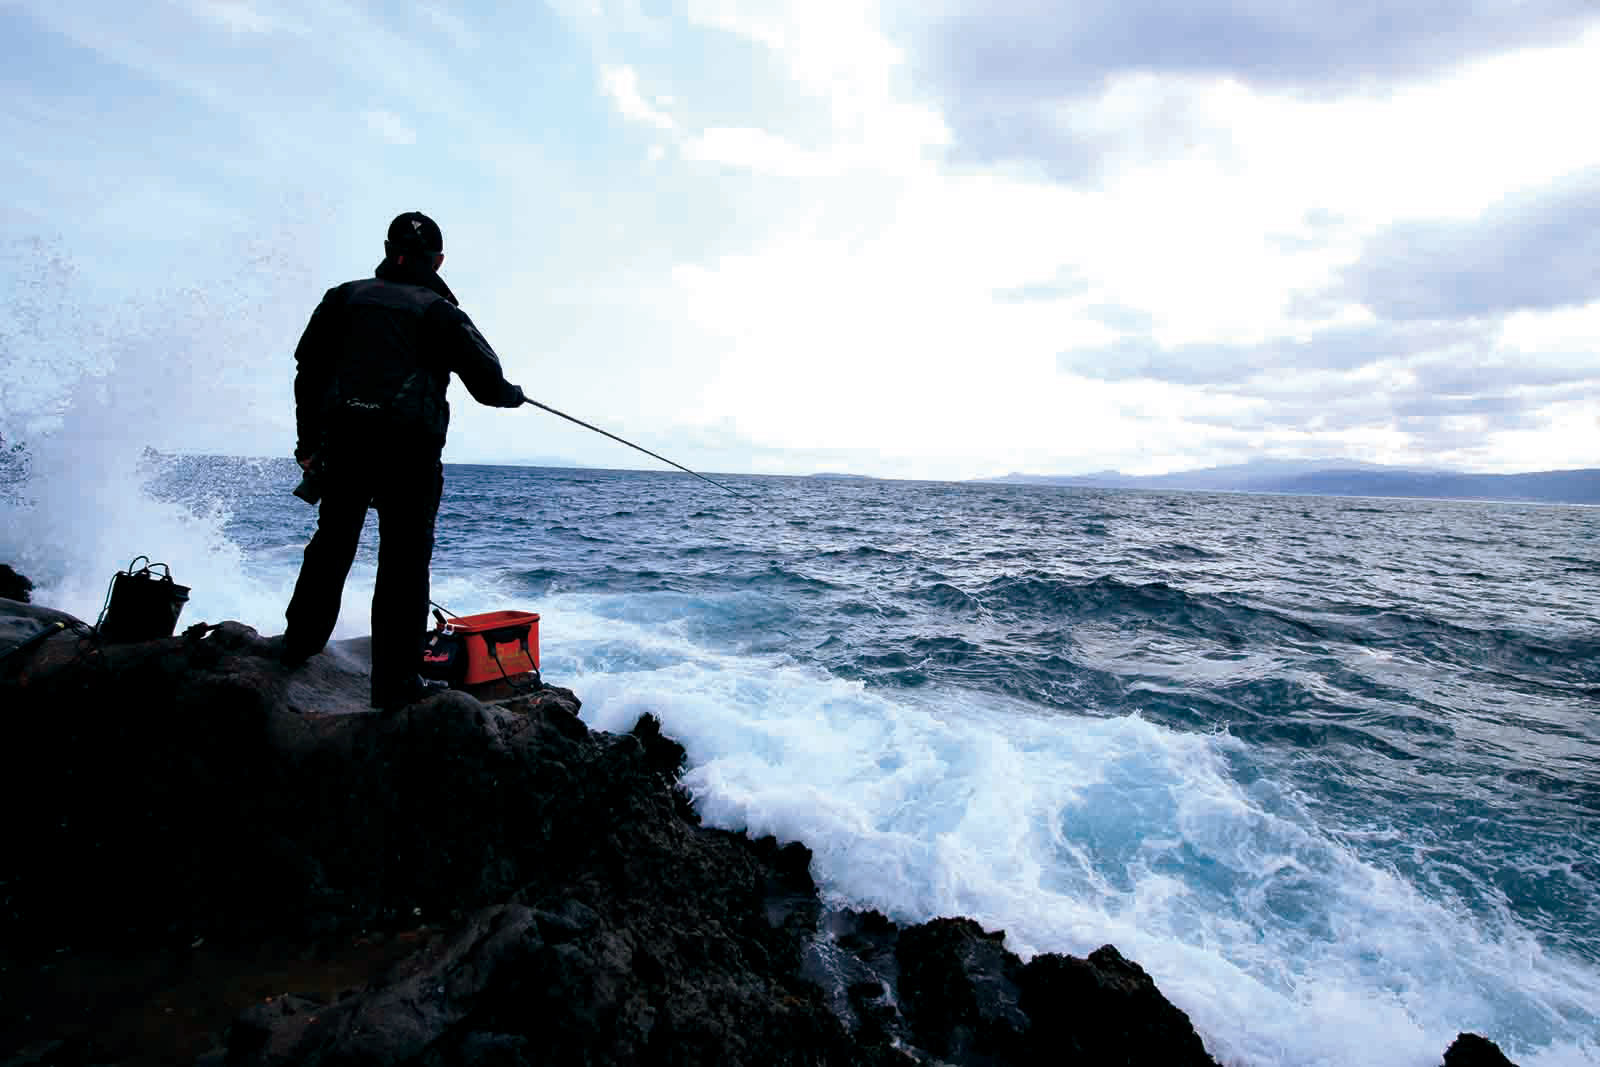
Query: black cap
pixel 415 232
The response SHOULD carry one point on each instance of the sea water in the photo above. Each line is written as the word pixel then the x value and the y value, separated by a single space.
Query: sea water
pixel 1329 769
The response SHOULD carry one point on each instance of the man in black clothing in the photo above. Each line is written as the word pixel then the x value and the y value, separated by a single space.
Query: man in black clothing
pixel 370 411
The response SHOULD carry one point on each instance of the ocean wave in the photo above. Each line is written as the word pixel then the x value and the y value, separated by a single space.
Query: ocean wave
pixel 862 552
pixel 1567 658
pixel 1153 604
pixel 1175 552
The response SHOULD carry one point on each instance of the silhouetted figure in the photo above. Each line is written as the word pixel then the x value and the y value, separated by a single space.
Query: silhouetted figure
pixel 370 411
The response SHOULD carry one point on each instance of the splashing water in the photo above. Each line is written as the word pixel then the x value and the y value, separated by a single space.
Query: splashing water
pixel 93 383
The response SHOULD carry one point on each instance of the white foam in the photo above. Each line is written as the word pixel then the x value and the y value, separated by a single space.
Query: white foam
pixel 1283 945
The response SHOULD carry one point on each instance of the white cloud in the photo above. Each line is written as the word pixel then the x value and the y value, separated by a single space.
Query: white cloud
pixel 1572 331
pixel 622 85
pixel 835 51
pixel 759 151
pixel 1447 147
pixel 832 47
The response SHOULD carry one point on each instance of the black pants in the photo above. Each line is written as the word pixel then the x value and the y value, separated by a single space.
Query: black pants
pixel 405 491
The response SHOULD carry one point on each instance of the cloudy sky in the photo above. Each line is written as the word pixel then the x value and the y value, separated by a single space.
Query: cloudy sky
pixel 924 239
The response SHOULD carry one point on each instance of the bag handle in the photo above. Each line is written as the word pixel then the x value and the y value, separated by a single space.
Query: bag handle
pixel 148 568
pixel 517 685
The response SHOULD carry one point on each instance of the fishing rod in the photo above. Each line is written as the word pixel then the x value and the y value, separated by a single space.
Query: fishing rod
pixel 630 444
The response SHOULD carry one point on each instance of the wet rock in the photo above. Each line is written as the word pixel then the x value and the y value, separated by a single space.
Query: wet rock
pixel 1106 1009
pixel 1475 1050
pixel 959 986
pixel 21 625
pixel 14 586
pixel 948 991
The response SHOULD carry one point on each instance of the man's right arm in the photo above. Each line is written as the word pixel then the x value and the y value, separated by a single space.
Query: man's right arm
pixel 314 360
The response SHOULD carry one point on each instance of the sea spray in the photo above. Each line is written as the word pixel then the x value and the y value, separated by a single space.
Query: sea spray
pixel 95 381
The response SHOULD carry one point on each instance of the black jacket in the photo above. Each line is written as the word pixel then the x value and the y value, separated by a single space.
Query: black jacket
pixel 376 358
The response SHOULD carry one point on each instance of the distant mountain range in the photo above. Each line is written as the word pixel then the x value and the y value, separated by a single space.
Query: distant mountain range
pixel 1345 478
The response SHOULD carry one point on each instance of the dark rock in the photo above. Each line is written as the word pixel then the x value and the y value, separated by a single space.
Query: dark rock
pixel 13 586
pixel 1106 1009
pixel 959 987
pixel 511 887
pixel 949 991
pixel 23 627
pixel 1474 1050
pixel 662 754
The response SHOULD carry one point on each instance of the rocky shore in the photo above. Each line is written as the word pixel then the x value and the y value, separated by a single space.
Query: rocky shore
pixel 210 859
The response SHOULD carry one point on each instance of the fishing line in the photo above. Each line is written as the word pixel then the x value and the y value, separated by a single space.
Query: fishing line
pixel 630 444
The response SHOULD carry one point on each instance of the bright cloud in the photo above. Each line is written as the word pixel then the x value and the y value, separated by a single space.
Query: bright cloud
pixel 759 151
pixel 1220 217
pixel 622 84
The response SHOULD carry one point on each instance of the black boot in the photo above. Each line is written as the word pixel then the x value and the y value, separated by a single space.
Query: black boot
pixel 290 656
